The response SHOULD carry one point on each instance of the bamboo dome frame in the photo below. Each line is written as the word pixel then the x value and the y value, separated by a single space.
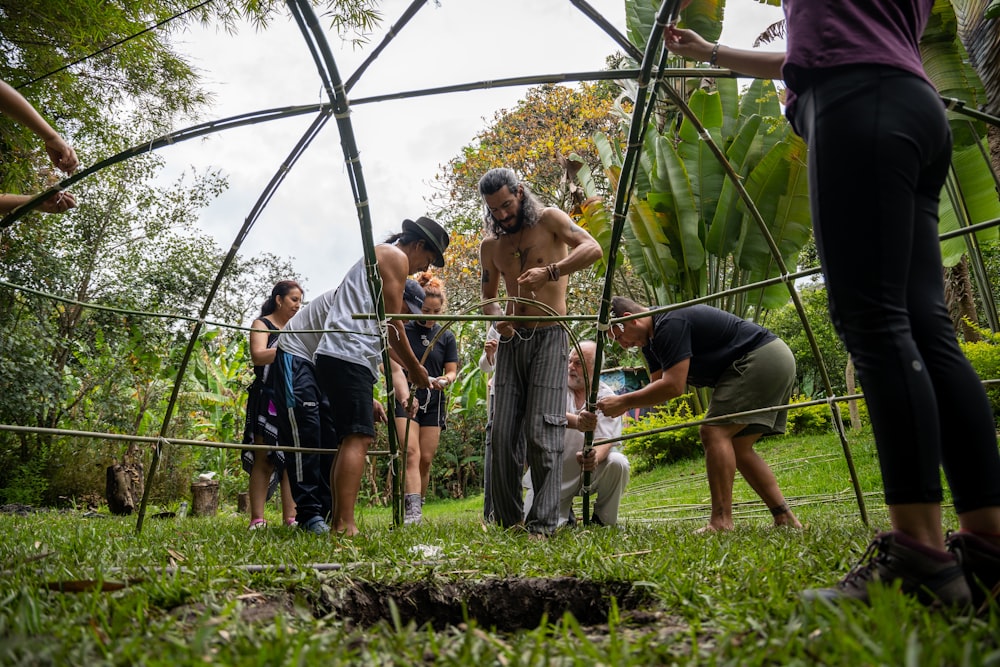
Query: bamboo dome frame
pixel 339 107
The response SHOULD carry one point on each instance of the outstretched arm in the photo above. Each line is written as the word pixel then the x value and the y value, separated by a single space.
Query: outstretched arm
pixel 60 202
pixel 392 267
pixel 14 105
pixel 664 385
pixel 691 45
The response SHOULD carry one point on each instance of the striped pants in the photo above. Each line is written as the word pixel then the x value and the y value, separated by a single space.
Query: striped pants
pixel 530 398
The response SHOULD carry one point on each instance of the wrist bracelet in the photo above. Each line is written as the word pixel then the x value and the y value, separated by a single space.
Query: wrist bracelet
pixel 715 55
pixel 553 272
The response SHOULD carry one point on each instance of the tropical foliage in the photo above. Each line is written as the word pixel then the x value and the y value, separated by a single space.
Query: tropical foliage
pixel 689 233
pixel 132 247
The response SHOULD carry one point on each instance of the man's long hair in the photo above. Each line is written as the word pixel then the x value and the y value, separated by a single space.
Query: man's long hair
pixel 529 211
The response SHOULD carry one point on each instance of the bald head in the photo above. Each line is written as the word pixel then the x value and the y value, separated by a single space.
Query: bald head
pixel 577 378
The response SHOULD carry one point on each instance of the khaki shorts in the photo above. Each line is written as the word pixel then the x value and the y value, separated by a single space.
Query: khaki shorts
pixel 763 378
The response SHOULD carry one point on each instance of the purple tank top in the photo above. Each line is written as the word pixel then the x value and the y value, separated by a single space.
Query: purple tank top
pixel 833 33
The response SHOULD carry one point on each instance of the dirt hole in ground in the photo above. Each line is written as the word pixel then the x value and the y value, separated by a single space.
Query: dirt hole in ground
pixel 507 604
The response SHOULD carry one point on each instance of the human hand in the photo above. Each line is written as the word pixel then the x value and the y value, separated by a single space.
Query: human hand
pixel 587 460
pixel 379 410
pixel 418 376
pixel 687 43
pixel 505 329
pixel 490 347
pixel 586 421
pixel 60 202
pixel 412 406
pixel 533 280
pixel 440 383
pixel 613 406
pixel 62 154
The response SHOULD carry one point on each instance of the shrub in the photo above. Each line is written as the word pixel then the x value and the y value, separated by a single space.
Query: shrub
pixel 817 419
pixel 27 484
pixel 984 355
pixel 656 449
pixel 810 420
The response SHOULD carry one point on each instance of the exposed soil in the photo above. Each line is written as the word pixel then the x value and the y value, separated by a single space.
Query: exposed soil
pixel 505 604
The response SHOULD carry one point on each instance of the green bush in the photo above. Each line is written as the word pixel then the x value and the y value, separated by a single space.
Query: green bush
pixel 28 483
pixel 817 419
pixel 811 420
pixel 985 357
pixel 656 449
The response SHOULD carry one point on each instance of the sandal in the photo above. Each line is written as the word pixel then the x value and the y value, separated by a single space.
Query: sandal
pixel 257 524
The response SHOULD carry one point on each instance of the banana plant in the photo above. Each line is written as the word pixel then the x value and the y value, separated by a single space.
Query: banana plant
pixel 689 234
pixel 682 199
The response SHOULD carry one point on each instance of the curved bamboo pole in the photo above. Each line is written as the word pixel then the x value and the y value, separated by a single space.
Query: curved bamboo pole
pixel 341 111
pixel 248 223
pixel 626 180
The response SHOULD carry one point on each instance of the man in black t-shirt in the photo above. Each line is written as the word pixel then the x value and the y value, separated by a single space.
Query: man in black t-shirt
pixel 748 367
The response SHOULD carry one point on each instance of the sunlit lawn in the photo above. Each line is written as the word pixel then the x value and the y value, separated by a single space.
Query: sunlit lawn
pixel 205 590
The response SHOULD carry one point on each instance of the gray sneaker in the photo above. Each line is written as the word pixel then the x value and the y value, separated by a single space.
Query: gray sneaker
pixel 316 526
pixel 412 508
pixel 980 561
pixel 889 559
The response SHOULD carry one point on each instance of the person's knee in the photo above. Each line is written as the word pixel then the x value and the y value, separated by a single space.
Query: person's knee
pixel 712 438
pixel 618 465
pixel 263 464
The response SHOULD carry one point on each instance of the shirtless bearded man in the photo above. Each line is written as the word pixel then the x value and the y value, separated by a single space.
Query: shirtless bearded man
pixel 533 248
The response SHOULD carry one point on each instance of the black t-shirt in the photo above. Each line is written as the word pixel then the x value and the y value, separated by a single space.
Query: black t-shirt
pixel 445 348
pixel 711 338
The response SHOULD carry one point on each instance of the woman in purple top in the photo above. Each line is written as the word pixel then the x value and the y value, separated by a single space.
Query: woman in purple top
pixel 879 151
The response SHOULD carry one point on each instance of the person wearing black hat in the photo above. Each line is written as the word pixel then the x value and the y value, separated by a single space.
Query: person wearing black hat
pixel 345 358
pixel 534 248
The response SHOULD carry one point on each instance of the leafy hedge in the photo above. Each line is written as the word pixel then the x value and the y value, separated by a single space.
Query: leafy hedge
pixel 985 357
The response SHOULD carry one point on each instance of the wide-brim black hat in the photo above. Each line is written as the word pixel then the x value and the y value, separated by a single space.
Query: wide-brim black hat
pixel 433 233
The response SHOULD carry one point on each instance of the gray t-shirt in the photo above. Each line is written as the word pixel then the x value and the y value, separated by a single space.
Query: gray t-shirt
pixel 355 341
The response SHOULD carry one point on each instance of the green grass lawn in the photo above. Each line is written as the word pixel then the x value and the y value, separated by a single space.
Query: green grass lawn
pixel 204 590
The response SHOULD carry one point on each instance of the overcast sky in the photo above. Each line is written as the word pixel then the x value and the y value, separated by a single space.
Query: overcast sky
pixel 402 144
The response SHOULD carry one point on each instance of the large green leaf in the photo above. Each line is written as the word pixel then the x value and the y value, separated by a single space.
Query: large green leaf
pixel 790 227
pixel 727 222
pixel 673 184
pixel 947 65
pixel 706 172
pixel 729 97
pixel 702 16
pixel 656 256
pixel 978 190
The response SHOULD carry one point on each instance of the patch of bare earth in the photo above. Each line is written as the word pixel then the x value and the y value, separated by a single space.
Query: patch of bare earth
pixel 506 604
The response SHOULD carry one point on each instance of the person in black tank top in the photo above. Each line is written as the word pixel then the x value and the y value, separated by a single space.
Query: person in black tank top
pixel 267 469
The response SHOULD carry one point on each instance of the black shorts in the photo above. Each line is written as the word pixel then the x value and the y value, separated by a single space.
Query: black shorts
pixel 431 411
pixel 350 389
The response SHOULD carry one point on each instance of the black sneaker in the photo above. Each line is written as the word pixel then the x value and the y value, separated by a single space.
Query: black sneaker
pixel 889 559
pixel 980 561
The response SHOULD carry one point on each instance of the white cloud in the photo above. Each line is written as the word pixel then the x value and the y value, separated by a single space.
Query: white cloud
pixel 312 217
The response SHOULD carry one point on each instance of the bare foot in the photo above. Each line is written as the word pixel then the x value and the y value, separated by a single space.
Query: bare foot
pixel 787 520
pixel 345 531
pixel 712 528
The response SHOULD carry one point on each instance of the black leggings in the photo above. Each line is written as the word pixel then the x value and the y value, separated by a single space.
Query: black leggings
pixel 880 148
